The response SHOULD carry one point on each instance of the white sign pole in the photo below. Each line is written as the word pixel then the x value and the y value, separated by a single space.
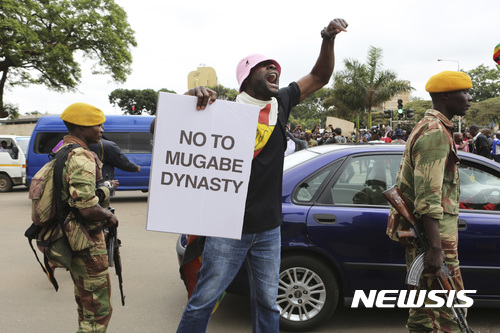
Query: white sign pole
pixel 200 166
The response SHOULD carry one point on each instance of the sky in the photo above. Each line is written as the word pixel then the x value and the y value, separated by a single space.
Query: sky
pixel 176 37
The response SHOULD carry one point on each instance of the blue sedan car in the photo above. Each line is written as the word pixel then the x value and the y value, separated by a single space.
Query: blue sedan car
pixel 334 222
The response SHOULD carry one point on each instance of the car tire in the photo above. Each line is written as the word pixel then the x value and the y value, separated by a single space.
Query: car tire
pixel 5 183
pixel 308 293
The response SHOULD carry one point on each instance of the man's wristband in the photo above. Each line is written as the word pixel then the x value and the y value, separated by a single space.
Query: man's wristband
pixel 326 36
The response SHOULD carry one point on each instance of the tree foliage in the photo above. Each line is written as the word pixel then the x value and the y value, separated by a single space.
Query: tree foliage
pixel 361 87
pixel 39 41
pixel 223 93
pixel 136 101
pixel 420 106
pixel 485 83
pixel 312 110
pixel 11 111
pixel 484 112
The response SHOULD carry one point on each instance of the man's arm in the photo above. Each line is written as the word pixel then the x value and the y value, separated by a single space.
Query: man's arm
pixel 96 213
pixel 323 69
pixel 115 157
pixel 428 182
pixel 434 257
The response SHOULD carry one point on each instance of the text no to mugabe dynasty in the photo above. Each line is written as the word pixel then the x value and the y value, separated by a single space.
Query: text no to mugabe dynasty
pixel 200 161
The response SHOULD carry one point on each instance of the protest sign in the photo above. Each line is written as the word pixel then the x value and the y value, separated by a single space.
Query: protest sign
pixel 200 166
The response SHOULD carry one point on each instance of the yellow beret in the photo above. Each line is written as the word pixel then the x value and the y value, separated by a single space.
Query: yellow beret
pixel 448 81
pixel 83 114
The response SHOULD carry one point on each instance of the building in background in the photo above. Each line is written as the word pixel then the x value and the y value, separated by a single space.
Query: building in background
pixel 21 126
pixel 203 76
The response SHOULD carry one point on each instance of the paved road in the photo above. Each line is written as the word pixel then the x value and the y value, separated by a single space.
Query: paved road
pixel 155 295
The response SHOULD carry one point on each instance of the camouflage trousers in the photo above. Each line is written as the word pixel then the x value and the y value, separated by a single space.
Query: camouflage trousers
pixel 89 271
pixel 437 319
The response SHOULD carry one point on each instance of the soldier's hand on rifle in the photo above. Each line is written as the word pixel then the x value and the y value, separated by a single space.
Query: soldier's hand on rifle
pixel 434 257
pixel 434 260
pixel 112 221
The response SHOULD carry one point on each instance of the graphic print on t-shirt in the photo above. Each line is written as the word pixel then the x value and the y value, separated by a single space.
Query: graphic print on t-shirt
pixel 264 130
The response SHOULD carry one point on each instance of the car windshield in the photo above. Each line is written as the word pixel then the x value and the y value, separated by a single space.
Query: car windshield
pixel 23 142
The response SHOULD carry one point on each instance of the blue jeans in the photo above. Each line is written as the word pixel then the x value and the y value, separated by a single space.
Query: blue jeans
pixel 222 258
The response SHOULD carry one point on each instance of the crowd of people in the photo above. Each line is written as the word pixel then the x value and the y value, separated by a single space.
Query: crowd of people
pixel 479 141
pixel 299 139
pixel 473 139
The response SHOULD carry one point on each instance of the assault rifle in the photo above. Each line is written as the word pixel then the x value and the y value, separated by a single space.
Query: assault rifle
pixel 114 255
pixel 421 243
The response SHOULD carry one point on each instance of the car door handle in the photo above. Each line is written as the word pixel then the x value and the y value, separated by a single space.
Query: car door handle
pixel 325 218
pixel 462 224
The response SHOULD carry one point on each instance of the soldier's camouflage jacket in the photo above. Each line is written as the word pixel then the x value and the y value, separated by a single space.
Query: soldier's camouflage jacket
pixel 80 176
pixel 428 174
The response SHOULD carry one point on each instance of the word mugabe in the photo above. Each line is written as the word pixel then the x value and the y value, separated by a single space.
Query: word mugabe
pixel 200 161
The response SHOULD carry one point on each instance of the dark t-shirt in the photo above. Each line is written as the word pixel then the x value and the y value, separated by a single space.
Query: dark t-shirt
pixel 263 205
pixel 482 146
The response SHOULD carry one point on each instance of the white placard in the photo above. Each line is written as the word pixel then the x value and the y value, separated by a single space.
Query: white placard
pixel 200 166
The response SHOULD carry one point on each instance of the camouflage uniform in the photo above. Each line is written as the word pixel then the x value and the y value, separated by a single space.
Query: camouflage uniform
pixel 428 179
pixel 89 265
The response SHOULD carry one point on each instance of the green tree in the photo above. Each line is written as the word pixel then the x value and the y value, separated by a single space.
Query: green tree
pixel 11 111
pixel 420 106
pixel 223 93
pixel 40 39
pixel 482 113
pixel 313 110
pixel 361 87
pixel 136 101
pixel 485 83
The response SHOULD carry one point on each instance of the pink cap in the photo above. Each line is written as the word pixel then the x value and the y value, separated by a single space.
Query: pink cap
pixel 246 64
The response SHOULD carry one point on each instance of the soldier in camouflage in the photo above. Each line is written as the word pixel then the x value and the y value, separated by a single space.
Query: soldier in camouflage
pixel 84 227
pixel 428 179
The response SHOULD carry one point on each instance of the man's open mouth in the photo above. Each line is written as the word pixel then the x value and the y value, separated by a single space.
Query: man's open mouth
pixel 273 79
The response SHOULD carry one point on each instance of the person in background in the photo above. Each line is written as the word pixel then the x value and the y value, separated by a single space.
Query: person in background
pixel 293 143
pixel 460 144
pixel 480 144
pixel 399 137
pixel 375 137
pixel 469 138
pixel 311 142
pixel 354 137
pixel 112 157
pixel 495 148
pixel 298 130
pixel 322 139
pixel 387 137
pixel 405 135
pixel 338 138
pixel 4 147
pixel 487 133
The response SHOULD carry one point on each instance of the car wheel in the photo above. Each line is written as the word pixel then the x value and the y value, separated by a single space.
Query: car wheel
pixel 5 183
pixel 308 293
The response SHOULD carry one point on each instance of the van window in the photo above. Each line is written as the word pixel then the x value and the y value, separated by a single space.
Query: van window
pixel 132 142
pixel 23 142
pixel 10 148
pixel 46 141
pixel 129 142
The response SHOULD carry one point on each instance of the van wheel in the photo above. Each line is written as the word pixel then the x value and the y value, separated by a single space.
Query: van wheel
pixel 5 183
